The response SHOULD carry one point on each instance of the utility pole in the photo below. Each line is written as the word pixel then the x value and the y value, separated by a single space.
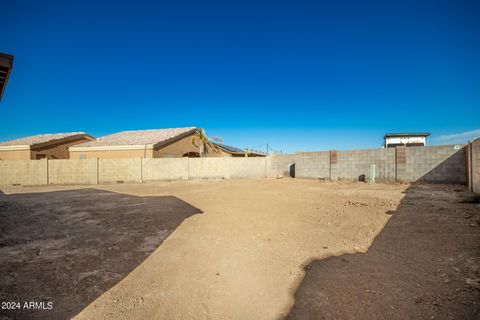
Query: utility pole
pixel 267 148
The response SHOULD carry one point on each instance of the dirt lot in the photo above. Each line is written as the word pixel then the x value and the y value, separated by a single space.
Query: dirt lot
pixel 258 249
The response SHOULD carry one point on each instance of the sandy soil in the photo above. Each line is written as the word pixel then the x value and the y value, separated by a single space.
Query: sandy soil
pixel 258 249
pixel 69 246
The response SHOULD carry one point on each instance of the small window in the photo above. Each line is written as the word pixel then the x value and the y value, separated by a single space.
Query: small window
pixel 83 156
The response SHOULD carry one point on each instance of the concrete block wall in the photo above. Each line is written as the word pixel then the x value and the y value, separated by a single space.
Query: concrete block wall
pixel 280 164
pixel 73 171
pixel 23 172
pixel 119 170
pixel 94 171
pixel 436 164
pixel 444 164
pixel 352 164
pixel 312 165
pixel 474 165
pixel 208 168
pixel 248 167
pixel 164 169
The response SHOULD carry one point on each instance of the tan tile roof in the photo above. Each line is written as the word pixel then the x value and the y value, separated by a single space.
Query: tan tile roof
pixel 137 137
pixel 41 138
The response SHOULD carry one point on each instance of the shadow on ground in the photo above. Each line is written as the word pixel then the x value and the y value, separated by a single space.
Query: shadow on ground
pixel 423 265
pixel 68 247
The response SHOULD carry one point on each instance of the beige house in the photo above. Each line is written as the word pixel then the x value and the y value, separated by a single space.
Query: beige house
pixel 156 143
pixel 44 146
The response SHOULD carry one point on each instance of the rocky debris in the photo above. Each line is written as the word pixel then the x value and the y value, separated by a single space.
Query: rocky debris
pixel 473 283
pixel 355 204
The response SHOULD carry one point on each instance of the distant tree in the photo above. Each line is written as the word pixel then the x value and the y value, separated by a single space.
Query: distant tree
pixel 200 140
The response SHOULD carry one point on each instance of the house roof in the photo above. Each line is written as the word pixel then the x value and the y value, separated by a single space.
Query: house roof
pixel 137 137
pixel 33 141
pixel 235 150
pixel 228 148
pixel 419 134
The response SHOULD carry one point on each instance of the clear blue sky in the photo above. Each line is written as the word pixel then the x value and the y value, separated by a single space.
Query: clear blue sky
pixel 300 75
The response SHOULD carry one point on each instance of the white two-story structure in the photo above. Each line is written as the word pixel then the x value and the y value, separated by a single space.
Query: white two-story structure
pixel 392 140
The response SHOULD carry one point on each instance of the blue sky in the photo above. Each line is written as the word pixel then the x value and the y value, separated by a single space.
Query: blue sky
pixel 300 75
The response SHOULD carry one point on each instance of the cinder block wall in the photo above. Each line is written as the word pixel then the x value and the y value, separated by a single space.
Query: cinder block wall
pixel 312 165
pixel 248 167
pixel 73 171
pixel 437 164
pixel 445 164
pixel 23 172
pixel 94 171
pixel 281 163
pixel 116 170
pixel 350 164
pixel 208 168
pixel 474 149
pixel 353 164
pixel 164 169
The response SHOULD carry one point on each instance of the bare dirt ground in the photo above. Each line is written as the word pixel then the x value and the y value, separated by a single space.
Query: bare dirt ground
pixel 251 249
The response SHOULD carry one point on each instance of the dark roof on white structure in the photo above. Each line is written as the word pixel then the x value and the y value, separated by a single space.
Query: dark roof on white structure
pixel 419 134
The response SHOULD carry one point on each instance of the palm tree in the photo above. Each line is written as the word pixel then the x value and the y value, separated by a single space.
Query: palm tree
pixel 200 140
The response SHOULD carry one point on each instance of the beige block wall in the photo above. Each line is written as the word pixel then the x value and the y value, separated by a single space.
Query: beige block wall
pixel 23 172
pixel 437 164
pixel 208 168
pixel 73 171
pixel 165 169
pixel 313 165
pixel 15 155
pixel 247 167
pixel 475 166
pixel 280 164
pixel 94 171
pixel 116 170
pixel 351 164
